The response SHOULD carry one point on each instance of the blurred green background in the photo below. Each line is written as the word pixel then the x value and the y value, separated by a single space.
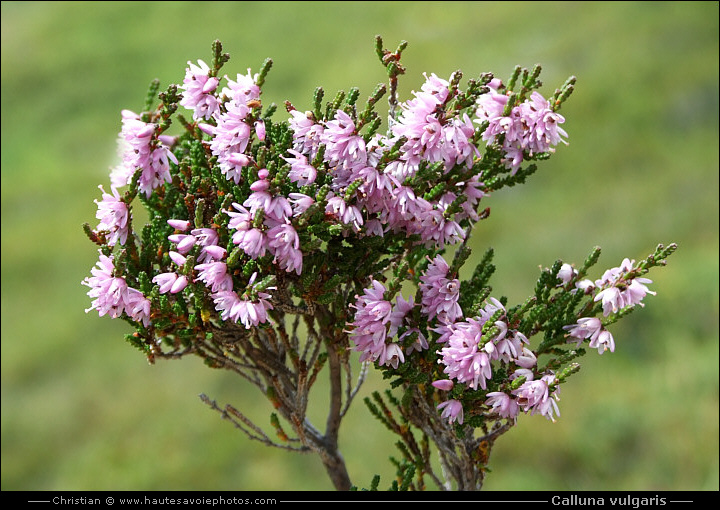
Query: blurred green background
pixel 83 410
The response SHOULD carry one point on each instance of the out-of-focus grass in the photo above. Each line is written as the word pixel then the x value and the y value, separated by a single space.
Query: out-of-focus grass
pixel 82 410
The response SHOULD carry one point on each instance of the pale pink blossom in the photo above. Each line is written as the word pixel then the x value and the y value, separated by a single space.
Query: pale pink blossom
pixel 342 145
pixel 243 89
pixel 452 411
pixel 301 171
pixel 307 134
pixel 566 273
pixel 199 88
pixel 184 242
pixel 214 275
pixel 114 215
pixel 502 404
pixel 181 225
pixel 391 355
pixel 284 243
pixel 464 359
pixel 440 294
pixel 300 203
pixel 165 281
pixel 177 258
pixel 535 397
pixel 369 326
pixel 137 306
pixel 249 313
pixel 113 296
pixel 443 384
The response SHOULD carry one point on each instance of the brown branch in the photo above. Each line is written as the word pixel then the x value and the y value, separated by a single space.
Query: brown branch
pixel 243 423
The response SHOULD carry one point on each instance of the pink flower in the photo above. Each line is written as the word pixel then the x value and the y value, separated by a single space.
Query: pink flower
pixel 284 244
pixel 167 282
pixel 260 130
pixel 510 347
pixel 259 185
pixel 250 313
pixel 534 396
pixel 279 210
pixel 473 192
pixel 214 276
pixel 108 291
pixel 618 291
pixel 587 327
pixel 443 384
pixel 183 242
pixel 181 225
pixel 452 410
pixel 369 327
pixel 199 88
pixel 462 356
pixel 230 139
pixel 612 300
pixel 399 313
pixel 347 214
pixel 391 355
pixel 139 150
pixel 179 284
pixel 205 236
pixel 502 404
pixel 531 127
pixel 241 220
pixel 301 171
pixel 212 252
pixel 137 306
pixel 307 134
pixel 177 258
pixel 300 203
pixel 436 230
pixel 252 241
pixel 134 147
pixel 592 328
pixel 373 227
pixel 429 135
pixel 342 146
pixel 113 214
pixel 566 273
pixel 276 208
pixel 208 238
pixel 603 341
pixel 636 291
pixel 112 294
pixel 440 294
pixel 156 171
pixel 243 89
pixel 527 359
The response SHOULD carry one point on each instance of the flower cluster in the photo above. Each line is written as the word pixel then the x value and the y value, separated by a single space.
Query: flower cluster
pixel 471 346
pixel 439 293
pixel 618 288
pixel 530 127
pixel 114 217
pixel 112 294
pixel 252 219
pixel 143 149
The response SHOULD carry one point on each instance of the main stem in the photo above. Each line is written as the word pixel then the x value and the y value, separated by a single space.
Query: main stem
pixel 333 460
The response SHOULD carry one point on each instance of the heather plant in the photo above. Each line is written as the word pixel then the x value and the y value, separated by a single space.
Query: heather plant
pixel 320 243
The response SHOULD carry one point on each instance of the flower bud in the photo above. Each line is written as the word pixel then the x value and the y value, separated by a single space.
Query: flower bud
pixel 259 185
pixel 181 225
pixel 443 384
pixel 210 85
pixel 260 130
